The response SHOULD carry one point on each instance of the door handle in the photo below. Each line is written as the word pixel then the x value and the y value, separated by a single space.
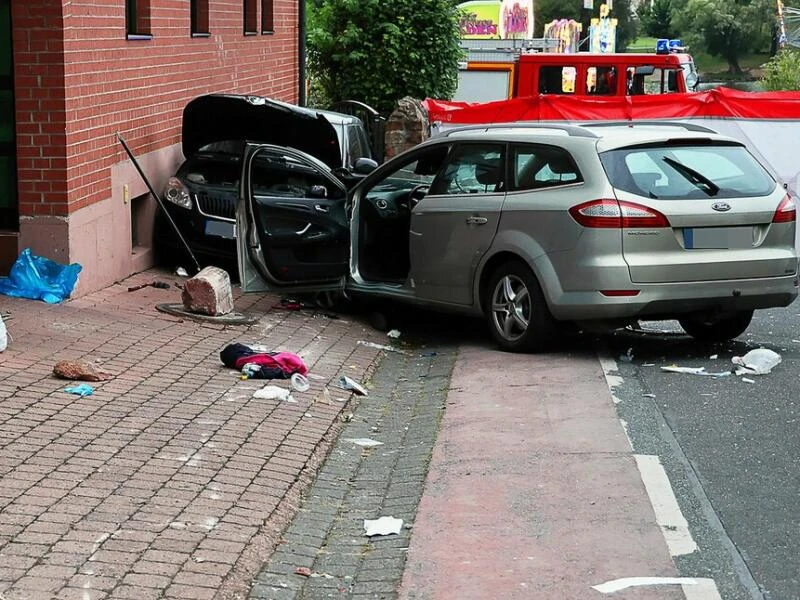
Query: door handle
pixel 477 220
pixel 321 208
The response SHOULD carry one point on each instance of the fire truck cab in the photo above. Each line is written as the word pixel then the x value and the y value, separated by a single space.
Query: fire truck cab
pixel 620 74
pixel 497 72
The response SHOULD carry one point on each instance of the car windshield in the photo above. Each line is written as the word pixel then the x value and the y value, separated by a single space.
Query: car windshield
pixel 668 171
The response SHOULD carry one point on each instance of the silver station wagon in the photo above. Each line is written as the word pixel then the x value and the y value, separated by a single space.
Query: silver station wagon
pixel 533 225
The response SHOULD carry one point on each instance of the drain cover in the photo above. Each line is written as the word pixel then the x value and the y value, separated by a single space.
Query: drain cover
pixel 232 318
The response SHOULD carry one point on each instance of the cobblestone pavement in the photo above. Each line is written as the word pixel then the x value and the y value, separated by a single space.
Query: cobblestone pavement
pixel 170 481
pixel 326 540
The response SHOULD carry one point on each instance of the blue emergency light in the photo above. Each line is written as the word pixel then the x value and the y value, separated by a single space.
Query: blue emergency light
pixel 662 46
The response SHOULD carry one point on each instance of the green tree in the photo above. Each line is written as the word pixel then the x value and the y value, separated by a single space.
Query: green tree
pixel 656 19
pixel 378 51
pixel 782 72
pixel 725 28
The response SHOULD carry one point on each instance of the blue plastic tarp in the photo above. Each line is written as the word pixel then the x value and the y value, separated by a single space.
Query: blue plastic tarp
pixel 40 278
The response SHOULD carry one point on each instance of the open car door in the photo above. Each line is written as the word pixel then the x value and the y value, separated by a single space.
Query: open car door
pixel 293 230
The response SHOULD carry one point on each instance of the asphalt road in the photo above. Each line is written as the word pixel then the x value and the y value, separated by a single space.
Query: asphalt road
pixel 731 448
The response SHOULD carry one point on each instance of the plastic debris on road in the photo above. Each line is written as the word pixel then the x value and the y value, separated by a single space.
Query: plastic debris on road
pixel 746 380
pixel 760 361
pixel 38 278
pixel 382 526
pixel 3 335
pixel 81 390
pixel 299 382
pixel 627 357
pixel 380 347
pixel 394 334
pixel 181 272
pixel 695 371
pixel 365 442
pixel 273 392
pixel 348 384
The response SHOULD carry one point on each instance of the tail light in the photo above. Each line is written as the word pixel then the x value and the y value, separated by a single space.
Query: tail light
pixel 617 214
pixel 786 211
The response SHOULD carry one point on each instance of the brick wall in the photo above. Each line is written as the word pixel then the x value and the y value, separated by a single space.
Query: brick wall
pixel 79 82
pixel 38 39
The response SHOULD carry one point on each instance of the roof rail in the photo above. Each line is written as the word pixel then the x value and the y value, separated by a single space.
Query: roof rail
pixel 569 129
pixel 686 126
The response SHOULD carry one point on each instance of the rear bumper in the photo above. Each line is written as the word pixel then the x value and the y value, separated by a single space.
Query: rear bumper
pixel 674 299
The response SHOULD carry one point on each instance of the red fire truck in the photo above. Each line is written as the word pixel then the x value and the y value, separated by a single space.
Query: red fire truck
pixel 496 70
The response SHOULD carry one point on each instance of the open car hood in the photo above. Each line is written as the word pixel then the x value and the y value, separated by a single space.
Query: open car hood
pixel 222 117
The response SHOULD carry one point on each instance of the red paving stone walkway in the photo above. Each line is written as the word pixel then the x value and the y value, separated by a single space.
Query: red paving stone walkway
pixel 170 480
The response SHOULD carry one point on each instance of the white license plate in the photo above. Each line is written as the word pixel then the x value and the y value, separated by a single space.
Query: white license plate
pixel 221 229
pixel 697 238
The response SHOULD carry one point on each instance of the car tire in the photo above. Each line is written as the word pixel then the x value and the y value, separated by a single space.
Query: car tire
pixel 516 311
pixel 721 329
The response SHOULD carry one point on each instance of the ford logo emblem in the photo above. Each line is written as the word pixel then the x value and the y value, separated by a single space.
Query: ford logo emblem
pixel 721 206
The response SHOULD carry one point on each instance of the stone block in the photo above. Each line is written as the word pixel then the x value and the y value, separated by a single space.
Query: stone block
pixel 209 292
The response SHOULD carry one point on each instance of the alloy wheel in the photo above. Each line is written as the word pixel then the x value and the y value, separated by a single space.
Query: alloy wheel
pixel 511 307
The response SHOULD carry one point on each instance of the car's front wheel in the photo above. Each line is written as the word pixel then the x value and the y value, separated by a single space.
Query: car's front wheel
pixel 716 329
pixel 516 310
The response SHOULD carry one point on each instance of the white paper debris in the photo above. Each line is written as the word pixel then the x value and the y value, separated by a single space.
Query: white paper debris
pixel 757 362
pixel 181 272
pixel 714 356
pixel 366 442
pixel 273 392
pixel 348 384
pixel 382 526
pixel 746 380
pixel 394 334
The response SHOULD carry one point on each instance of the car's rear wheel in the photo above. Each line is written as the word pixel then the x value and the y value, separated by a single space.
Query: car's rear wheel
pixel 517 313
pixel 716 329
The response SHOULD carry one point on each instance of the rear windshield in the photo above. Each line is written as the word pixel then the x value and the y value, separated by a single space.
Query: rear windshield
pixel 687 171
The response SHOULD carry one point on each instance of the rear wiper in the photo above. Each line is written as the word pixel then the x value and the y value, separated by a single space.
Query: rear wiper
pixel 691 175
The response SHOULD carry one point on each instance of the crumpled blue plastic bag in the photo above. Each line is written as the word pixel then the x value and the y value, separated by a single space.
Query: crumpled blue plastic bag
pixel 40 278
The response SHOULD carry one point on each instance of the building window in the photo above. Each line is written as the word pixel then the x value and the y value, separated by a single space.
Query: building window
pixel 250 17
pixel 267 18
pixel 199 17
pixel 137 19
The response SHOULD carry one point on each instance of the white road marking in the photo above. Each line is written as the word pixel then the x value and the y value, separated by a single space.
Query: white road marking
pixel 673 525
pixel 706 589
pixel 668 513
pixel 613 381
pixel 616 585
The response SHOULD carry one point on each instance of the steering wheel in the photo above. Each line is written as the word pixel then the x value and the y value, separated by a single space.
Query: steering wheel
pixel 417 193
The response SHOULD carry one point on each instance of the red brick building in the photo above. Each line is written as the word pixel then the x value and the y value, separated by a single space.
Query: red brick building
pixel 75 73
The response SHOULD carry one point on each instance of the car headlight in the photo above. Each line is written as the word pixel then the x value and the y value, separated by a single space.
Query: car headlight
pixel 177 193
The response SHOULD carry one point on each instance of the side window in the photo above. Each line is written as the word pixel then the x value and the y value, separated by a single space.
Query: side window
pixel 601 81
pixel 557 79
pixel 417 171
pixel 535 167
pixel 649 80
pixel 278 175
pixel 357 146
pixel 471 169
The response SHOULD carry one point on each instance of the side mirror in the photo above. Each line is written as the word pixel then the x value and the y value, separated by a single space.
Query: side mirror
pixel 364 166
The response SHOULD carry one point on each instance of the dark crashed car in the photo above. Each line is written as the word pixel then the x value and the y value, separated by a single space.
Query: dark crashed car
pixel 201 197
